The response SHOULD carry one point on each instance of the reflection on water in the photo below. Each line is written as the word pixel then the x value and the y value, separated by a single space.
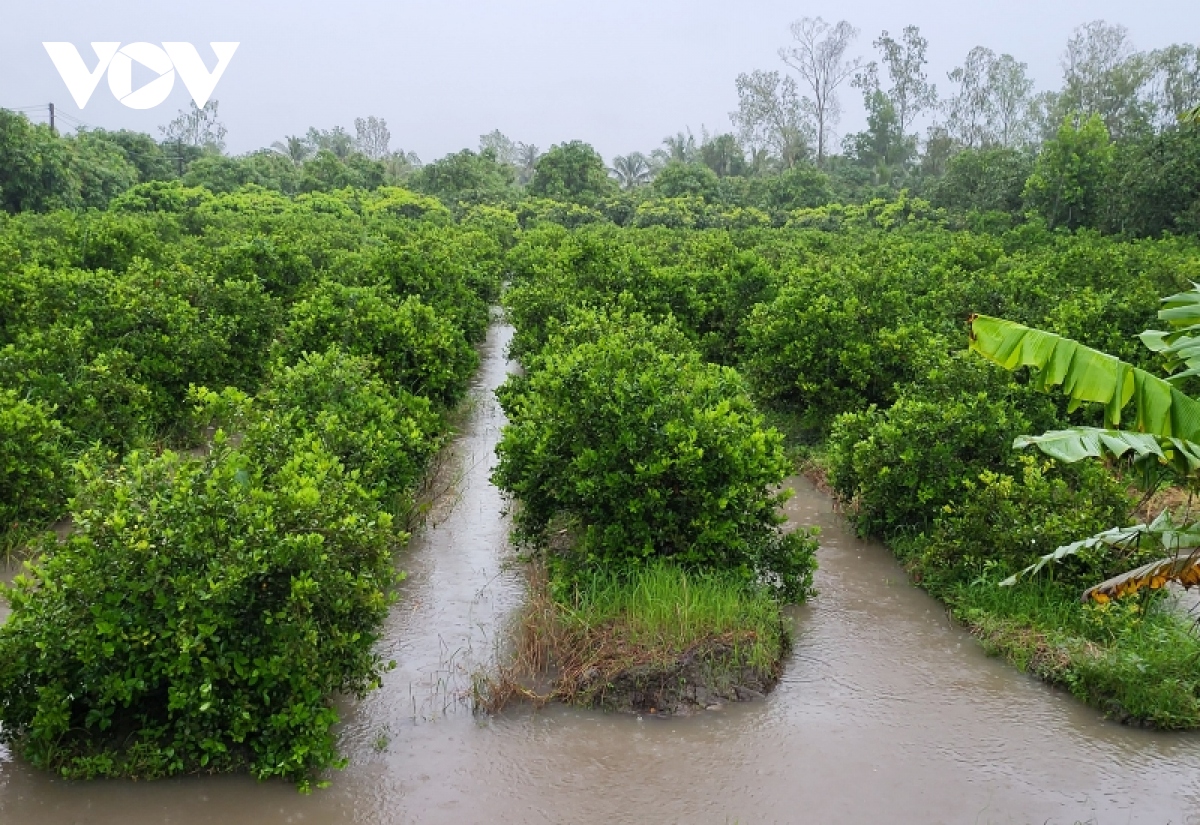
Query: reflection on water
pixel 886 714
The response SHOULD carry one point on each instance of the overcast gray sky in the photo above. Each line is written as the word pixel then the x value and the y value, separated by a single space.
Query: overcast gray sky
pixel 620 74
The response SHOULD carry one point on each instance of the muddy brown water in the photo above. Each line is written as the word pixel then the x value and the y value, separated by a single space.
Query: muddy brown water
pixel 886 714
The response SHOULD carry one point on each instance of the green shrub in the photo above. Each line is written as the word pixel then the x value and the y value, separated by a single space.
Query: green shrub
pixel 199 619
pixel 97 399
pixel 387 437
pixel 901 466
pixel 440 269
pixel 1004 522
pixel 34 473
pixel 823 347
pixel 115 353
pixel 415 347
pixel 651 454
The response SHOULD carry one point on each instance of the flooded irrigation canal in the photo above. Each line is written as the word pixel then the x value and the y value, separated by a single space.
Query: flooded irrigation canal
pixel 886 714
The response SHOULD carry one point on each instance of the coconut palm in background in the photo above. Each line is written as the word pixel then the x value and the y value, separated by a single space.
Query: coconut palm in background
pixel 293 147
pixel 527 158
pixel 678 148
pixel 1163 443
pixel 723 155
pixel 632 170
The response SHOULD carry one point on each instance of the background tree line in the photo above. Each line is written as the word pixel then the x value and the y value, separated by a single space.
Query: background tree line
pixel 1107 150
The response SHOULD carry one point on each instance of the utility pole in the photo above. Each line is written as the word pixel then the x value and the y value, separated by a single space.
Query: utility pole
pixel 52 120
pixel 179 154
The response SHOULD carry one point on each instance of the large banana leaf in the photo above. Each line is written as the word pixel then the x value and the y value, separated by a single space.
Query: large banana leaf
pixel 1173 539
pixel 1180 457
pixel 1190 116
pixel 1086 374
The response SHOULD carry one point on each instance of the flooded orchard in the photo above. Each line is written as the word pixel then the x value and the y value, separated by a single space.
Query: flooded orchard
pixel 886 713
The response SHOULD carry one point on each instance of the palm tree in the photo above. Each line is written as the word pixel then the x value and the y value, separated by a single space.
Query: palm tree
pixel 527 158
pixel 632 170
pixel 296 148
pixel 723 155
pixel 761 162
pixel 681 147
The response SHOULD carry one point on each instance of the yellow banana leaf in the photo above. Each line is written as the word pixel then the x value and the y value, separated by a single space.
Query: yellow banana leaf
pixel 1183 569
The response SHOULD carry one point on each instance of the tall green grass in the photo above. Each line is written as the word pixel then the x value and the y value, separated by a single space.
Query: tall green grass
pixel 662 607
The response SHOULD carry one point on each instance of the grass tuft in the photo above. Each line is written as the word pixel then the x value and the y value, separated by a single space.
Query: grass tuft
pixel 655 637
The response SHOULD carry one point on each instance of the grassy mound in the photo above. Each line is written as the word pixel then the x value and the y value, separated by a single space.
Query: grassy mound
pixel 659 640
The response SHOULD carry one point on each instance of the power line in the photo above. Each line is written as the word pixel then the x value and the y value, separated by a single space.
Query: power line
pixel 51 112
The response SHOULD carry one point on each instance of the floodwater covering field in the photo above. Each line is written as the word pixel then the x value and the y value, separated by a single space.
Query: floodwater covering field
pixel 886 713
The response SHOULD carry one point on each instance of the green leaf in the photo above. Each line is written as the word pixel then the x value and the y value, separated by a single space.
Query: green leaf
pixel 1086 374
pixel 1163 532
pixel 1180 456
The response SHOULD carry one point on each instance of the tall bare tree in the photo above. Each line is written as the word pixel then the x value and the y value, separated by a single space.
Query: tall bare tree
pixel 501 146
pixel 1011 92
pixel 527 158
pixel 771 117
pixel 1104 75
pixel 197 126
pixel 992 102
pixel 819 57
pixel 399 165
pixel 336 140
pixel 1175 82
pixel 969 110
pixel 911 92
pixel 372 137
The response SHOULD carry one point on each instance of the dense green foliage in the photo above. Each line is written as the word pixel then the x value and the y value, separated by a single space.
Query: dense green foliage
pixel 414 347
pixel 649 453
pixel 849 325
pixel 572 172
pixel 197 619
pixel 1001 520
pixel 34 473
pixel 231 373
pixel 208 603
pixel 903 465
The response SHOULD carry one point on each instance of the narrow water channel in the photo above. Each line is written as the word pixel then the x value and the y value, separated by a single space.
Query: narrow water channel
pixel 886 714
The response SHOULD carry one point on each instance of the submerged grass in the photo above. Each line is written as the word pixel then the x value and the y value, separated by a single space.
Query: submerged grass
pixel 656 637
pixel 1137 659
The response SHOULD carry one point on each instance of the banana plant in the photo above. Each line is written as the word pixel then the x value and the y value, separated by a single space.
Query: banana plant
pixel 1190 116
pixel 1162 435
pixel 1179 347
